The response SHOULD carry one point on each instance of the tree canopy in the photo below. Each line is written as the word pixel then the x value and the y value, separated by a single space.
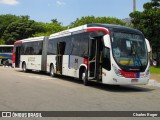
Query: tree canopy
pixel 5 20
pixel 49 28
pixel 148 21
pixel 92 19
pixel 22 28
pixel 14 28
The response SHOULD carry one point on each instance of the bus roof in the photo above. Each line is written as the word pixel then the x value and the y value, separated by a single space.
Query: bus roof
pixel 6 45
pixel 29 40
pixel 90 27
pixel 112 27
pixel 109 27
pixel 69 31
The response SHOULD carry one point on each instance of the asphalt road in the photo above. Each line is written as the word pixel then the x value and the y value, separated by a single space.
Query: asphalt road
pixel 39 92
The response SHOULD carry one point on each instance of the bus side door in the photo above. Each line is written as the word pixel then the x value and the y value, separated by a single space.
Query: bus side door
pixel 95 58
pixel 59 59
pixel 17 56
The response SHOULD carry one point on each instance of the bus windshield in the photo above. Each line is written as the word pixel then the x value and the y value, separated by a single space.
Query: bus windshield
pixel 129 49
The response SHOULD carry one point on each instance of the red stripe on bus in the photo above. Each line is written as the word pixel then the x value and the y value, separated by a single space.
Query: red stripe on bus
pixel 98 29
pixel 13 57
pixel 129 74
pixel 18 42
pixel 85 61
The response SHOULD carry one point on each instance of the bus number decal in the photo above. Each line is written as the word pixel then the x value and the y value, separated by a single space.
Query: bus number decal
pixel 76 61
pixel 31 59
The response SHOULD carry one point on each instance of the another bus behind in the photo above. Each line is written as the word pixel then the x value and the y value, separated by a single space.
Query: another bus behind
pixel 6 54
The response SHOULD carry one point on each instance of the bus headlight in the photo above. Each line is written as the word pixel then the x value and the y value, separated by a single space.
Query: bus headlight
pixel 116 70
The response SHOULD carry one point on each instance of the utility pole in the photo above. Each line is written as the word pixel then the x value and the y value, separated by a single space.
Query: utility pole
pixel 134 5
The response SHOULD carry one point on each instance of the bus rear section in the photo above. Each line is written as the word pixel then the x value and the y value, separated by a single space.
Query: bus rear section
pixel 30 54
pixel 6 55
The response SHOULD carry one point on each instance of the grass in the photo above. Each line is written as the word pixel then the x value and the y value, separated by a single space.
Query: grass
pixel 155 73
pixel 155 70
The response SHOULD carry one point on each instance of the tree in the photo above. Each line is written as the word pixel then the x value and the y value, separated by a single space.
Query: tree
pixel 148 22
pixel 56 22
pixel 14 28
pixel 49 28
pixel 5 20
pixel 20 29
pixel 92 19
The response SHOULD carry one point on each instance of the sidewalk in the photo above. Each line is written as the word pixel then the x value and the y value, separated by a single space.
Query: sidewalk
pixel 153 83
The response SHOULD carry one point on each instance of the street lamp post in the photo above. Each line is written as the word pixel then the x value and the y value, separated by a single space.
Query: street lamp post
pixel 134 5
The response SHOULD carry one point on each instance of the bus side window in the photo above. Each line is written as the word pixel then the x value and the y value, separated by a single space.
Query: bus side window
pixel 22 50
pixel 106 58
pixel 68 46
pixel 84 46
pixel 38 48
pixel 52 47
pixel 75 45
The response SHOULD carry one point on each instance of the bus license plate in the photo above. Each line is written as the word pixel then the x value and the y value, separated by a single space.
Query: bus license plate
pixel 134 80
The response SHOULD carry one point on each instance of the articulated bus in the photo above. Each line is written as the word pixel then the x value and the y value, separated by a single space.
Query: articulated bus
pixel 109 54
pixel 6 54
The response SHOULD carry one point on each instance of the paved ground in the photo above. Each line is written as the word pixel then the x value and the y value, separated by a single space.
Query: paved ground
pixel 39 92
pixel 153 82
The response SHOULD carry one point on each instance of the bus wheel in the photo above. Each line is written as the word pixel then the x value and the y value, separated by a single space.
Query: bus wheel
pixel 85 78
pixel 52 73
pixel 2 62
pixel 24 67
pixel 6 63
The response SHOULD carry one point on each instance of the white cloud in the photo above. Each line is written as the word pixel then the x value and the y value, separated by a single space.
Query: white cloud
pixel 60 3
pixel 9 2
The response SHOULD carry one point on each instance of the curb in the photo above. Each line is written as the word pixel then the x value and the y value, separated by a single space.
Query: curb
pixel 153 83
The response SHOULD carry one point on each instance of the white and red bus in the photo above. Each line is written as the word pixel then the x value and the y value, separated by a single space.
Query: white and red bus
pixel 110 54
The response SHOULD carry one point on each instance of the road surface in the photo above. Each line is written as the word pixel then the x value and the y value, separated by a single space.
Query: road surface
pixel 39 92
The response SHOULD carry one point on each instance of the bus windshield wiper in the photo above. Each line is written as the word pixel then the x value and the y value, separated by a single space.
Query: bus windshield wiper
pixel 134 53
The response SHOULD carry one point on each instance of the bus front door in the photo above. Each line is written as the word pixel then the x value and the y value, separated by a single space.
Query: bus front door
pixel 95 61
pixel 92 58
pixel 60 53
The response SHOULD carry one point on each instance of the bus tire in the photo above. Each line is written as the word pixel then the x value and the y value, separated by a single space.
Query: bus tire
pixel 52 73
pixel 24 67
pixel 2 62
pixel 85 78
pixel 6 63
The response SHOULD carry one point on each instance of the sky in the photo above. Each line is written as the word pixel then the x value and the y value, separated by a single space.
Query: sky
pixel 67 11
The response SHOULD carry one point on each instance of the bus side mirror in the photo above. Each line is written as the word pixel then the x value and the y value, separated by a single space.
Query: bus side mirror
pixel 148 45
pixel 107 42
